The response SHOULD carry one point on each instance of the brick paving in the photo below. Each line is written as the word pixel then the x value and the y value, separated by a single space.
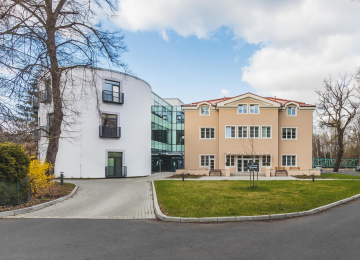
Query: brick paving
pixel 129 198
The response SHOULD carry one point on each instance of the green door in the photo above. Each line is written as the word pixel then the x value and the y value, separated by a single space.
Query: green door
pixel 114 168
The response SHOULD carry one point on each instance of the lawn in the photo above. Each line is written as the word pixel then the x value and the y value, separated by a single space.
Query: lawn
pixel 234 198
pixel 338 176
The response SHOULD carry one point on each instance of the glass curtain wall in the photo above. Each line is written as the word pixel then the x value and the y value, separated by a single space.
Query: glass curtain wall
pixel 167 135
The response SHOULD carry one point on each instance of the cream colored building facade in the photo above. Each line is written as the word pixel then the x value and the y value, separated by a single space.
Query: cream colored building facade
pixel 276 132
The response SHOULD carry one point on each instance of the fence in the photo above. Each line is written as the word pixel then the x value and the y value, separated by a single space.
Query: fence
pixel 330 162
pixel 14 193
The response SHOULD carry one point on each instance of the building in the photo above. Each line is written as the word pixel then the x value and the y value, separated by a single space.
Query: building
pixel 227 133
pixel 106 129
pixel 167 134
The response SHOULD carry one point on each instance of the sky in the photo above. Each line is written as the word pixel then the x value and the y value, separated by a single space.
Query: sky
pixel 197 50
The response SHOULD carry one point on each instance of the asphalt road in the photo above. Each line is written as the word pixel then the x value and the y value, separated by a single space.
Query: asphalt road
pixel 334 234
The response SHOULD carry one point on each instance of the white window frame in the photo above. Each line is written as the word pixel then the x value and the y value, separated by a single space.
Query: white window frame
pixel 208 166
pixel 262 162
pixel 251 104
pixel 232 160
pixel 247 132
pixel 247 109
pixel 291 107
pixel 206 127
pixel 291 139
pixel 266 132
pixel 259 132
pixel 201 111
pixel 230 132
pixel 286 160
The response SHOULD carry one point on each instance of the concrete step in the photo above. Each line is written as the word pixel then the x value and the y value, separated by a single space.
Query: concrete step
pixel 245 174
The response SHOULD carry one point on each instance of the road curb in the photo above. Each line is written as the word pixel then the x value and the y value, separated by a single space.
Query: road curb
pixel 163 217
pixel 36 207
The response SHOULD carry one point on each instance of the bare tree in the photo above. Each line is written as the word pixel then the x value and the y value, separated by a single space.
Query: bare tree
pixel 47 39
pixel 337 108
pixel 250 148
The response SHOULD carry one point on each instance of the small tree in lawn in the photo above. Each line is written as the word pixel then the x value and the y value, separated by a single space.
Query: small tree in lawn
pixel 250 148
pixel 337 107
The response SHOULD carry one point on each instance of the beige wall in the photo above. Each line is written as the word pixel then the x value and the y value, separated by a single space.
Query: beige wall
pixel 227 116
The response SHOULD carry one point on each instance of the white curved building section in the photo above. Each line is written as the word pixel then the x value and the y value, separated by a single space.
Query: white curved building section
pixel 106 130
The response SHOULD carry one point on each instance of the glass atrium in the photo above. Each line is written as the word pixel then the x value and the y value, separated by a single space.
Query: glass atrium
pixel 167 135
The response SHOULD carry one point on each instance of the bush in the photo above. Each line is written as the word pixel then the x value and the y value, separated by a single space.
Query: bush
pixel 14 163
pixel 40 182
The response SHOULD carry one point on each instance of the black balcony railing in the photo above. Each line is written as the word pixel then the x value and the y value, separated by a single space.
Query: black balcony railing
pixel 115 171
pixel 113 97
pixel 109 131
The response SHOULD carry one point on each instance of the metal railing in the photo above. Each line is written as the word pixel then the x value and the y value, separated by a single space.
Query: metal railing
pixel 113 97
pixel 36 135
pixel 109 131
pixel 14 193
pixel 115 172
pixel 330 162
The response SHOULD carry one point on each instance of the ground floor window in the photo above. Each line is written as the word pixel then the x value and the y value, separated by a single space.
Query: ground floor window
pixel 288 160
pixel 230 159
pixel 207 161
pixel 266 160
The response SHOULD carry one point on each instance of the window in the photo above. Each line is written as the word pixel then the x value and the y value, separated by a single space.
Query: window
pixel 109 120
pixel 50 120
pixel 230 132
pixel 207 133
pixel 289 133
pixel 254 109
pixel 242 131
pixel 288 160
pixel 112 92
pixel 205 160
pixel 230 159
pixel 266 160
pixel 205 111
pixel 242 109
pixel 291 111
pixel 266 132
pixel 254 132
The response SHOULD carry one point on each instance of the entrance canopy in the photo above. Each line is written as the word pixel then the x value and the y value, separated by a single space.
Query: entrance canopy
pixel 245 153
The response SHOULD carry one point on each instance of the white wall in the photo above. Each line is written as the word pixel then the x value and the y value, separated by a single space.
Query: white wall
pixel 82 153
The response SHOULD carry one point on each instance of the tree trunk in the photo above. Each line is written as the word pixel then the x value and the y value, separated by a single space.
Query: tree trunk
pixel 340 150
pixel 55 130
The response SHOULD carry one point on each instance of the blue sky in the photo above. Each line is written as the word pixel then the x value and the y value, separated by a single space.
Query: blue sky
pixel 189 68
pixel 187 49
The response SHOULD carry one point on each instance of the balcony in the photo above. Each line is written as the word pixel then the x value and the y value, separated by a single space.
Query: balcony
pixel 109 131
pixel 113 97
pixel 115 171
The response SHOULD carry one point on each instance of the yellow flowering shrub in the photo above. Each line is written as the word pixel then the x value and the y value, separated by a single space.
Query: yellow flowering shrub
pixel 39 181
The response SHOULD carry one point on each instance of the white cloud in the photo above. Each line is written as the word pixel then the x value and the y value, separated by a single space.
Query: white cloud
pixel 224 93
pixel 301 41
pixel 164 35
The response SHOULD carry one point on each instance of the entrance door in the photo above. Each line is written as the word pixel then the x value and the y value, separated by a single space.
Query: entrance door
pixel 114 168
pixel 242 165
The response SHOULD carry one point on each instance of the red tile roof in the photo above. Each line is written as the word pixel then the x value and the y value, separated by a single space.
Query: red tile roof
pixel 281 101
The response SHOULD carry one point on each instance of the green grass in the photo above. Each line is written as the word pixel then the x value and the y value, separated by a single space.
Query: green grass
pixel 339 176
pixel 234 198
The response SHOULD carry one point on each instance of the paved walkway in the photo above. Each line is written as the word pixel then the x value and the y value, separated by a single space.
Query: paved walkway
pixel 129 198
